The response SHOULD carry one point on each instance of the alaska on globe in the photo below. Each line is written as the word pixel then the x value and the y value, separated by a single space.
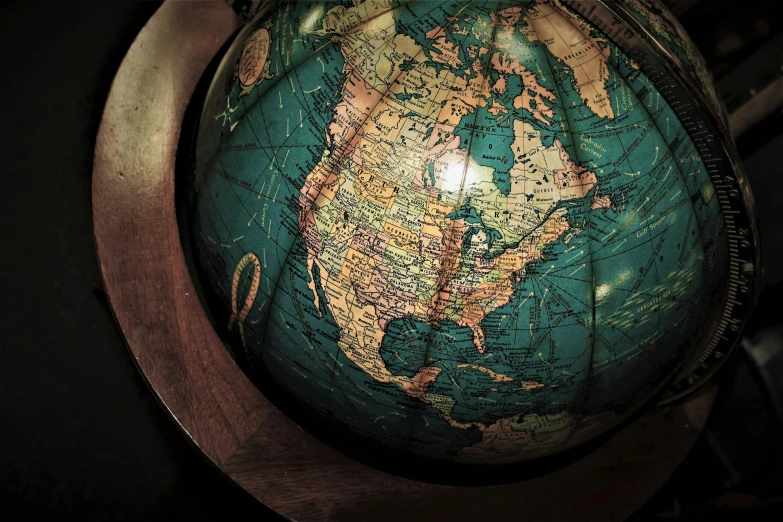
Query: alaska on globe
pixel 472 230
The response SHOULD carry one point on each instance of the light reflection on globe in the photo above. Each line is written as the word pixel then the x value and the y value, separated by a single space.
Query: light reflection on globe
pixel 472 231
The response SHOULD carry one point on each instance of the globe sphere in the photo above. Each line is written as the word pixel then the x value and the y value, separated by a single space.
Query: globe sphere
pixel 475 232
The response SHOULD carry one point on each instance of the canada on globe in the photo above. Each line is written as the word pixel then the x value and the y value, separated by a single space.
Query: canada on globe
pixel 471 230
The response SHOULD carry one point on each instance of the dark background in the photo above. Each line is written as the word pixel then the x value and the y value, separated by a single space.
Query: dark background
pixel 80 433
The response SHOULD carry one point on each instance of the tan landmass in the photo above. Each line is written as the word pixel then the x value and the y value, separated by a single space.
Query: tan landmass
pixel 360 16
pixel 573 181
pixel 568 38
pixel 447 52
pixel 600 201
pixel 496 377
pixel 510 438
pixel 541 111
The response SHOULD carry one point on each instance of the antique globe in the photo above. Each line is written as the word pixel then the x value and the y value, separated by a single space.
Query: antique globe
pixel 476 232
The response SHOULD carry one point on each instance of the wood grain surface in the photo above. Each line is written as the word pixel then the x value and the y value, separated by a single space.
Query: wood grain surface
pixel 215 404
pixel 138 244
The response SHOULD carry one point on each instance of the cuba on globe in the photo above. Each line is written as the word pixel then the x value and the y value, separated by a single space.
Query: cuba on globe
pixel 467 230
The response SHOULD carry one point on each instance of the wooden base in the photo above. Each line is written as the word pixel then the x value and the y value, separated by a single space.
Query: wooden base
pixel 215 404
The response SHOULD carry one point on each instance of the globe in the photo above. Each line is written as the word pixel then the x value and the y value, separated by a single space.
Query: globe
pixel 478 232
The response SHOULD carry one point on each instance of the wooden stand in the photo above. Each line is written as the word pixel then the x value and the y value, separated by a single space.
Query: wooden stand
pixel 215 404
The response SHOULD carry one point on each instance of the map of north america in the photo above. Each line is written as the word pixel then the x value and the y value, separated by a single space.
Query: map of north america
pixel 480 233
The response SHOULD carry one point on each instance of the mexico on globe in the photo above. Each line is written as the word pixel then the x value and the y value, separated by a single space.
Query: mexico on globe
pixel 477 232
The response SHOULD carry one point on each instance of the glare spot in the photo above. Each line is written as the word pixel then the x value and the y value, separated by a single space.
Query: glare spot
pixel 308 24
pixel 602 292
pixel 623 276
pixel 452 177
pixel 707 192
